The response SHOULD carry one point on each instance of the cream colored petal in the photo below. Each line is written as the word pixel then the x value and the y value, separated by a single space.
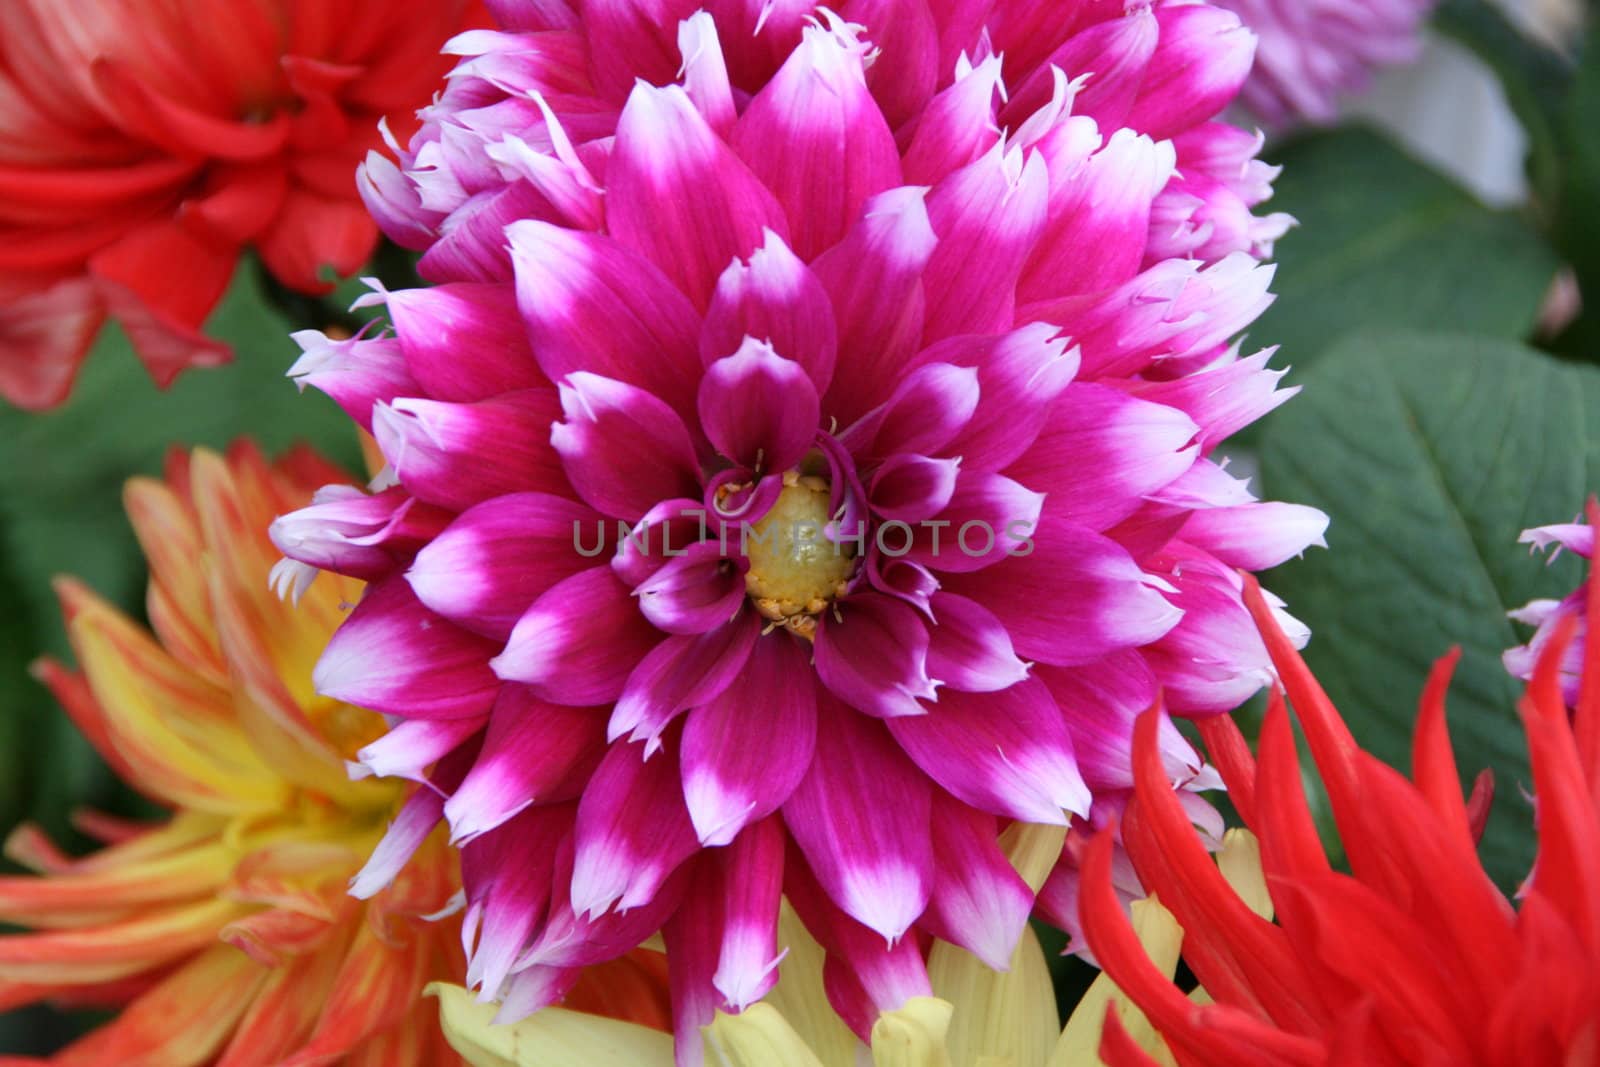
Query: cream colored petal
pixel 1011 1015
pixel 1033 850
pixel 913 1036
pixel 553 1037
pixel 1079 1046
pixel 759 1037
pixel 1240 861
pixel 799 995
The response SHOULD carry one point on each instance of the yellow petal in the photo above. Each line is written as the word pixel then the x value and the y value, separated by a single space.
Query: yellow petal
pixel 1240 862
pixel 759 1037
pixel 1079 1046
pixel 799 995
pixel 913 1036
pixel 553 1037
pixel 1033 850
pixel 1010 1015
pixel 177 604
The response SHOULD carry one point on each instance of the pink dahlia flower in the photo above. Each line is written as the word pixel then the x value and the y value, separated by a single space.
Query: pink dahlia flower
pixel 903 364
pixel 1312 52
pixel 1546 615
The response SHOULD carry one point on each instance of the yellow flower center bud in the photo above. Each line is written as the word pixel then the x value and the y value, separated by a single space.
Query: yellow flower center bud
pixel 795 571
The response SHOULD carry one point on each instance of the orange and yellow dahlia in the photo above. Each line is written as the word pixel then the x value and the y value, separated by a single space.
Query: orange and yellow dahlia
pixel 225 934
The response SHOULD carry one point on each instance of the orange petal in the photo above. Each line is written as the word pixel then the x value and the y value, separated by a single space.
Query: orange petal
pixel 376 988
pixel 170 537
pixel 116 950
pixel 282 1016
pixel 95 897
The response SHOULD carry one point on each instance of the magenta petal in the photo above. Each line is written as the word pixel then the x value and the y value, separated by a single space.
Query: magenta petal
pixel 507 896
pixel 736 772
pixel 455 455
pixel 979 901
pixel 678 194
pixel 1102 452
pixel 1007 753
pixel 861 817
pixel 631 39
pixel 355 373
pixel 1100 703
pixel 875 659
pixel 758 408
pixel 1114 53
pixel 363 535
pixel 907 69
pixel 623 449
pixel 1020 375
pixel 912 488
pixel 989 518
pixel 958 126
pixel 988 215
pixel 464 341
pixel 680 673
pixel 395 656
pixel 1256 537
pixel 926 410
pixel 663 534
pixel 495 559
pixel 579 641
pixel 752 881
pixel 1224 400
pixel 411 747
pixel 692 937
pixel 1201 60
pixel 591 304
pixel 533 752
pixel 705 72
pixel 774 297
pixel 969 649
pixel 417 818
pixel 1099 601
pixel 698 591
pixel 874 277
pixel 816 138
pixel 623 858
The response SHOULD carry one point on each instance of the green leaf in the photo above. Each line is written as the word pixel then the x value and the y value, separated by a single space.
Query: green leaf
pixel 1385 242
pixel 1431 453
pixel 61 504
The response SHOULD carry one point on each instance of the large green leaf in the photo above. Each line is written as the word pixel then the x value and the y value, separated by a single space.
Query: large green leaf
pixel 61 477
pixel 1431 453
pixel 1385 242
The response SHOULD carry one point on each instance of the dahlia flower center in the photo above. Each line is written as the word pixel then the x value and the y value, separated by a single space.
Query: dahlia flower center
pixel 795 571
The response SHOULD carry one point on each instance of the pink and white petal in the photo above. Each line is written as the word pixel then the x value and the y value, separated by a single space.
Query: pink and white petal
pixel 534 752
pixel 393 655
pixel 861 818
pixel 758 36
pixel 1573 536
pixel 455 455
pixel 1201 60
pixel 693 940
pixel 874 277
pixel 705 72
pixel 1099 600
pixel 679 673
pixel 903 76
pixel 989 518
pixel 591 304
pixel 416 820
pixel 507 895
pixel 775 297
pixel 911 488
pixel 624 450
pixel 752 881
pixel 495 559
pixel 1257 537
pixel 1113 55
pixel 979 901
pixel 698 591
pixel 665 531
pixel 733 774
pixel 758 408
pixel 1100 702
pixel 873 656
pixel 923 414
pixel 630 40
pixel 988 215
pixel 1020 375
pixel 411 747
pixel 815 137
pixel 1007 753
pixel 677 194
pixel 579 641
pixel 1103 205
pixel 355 373
pixel 1223 400
pixel 621 858
pixel 1102 452
pixel 363 535
pixel 464 341
pixel 958 126
pixel 969 649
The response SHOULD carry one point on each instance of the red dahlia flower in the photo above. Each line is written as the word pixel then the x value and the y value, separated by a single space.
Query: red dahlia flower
pixel 903 348
pixel 144 144
pixel 1415 957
